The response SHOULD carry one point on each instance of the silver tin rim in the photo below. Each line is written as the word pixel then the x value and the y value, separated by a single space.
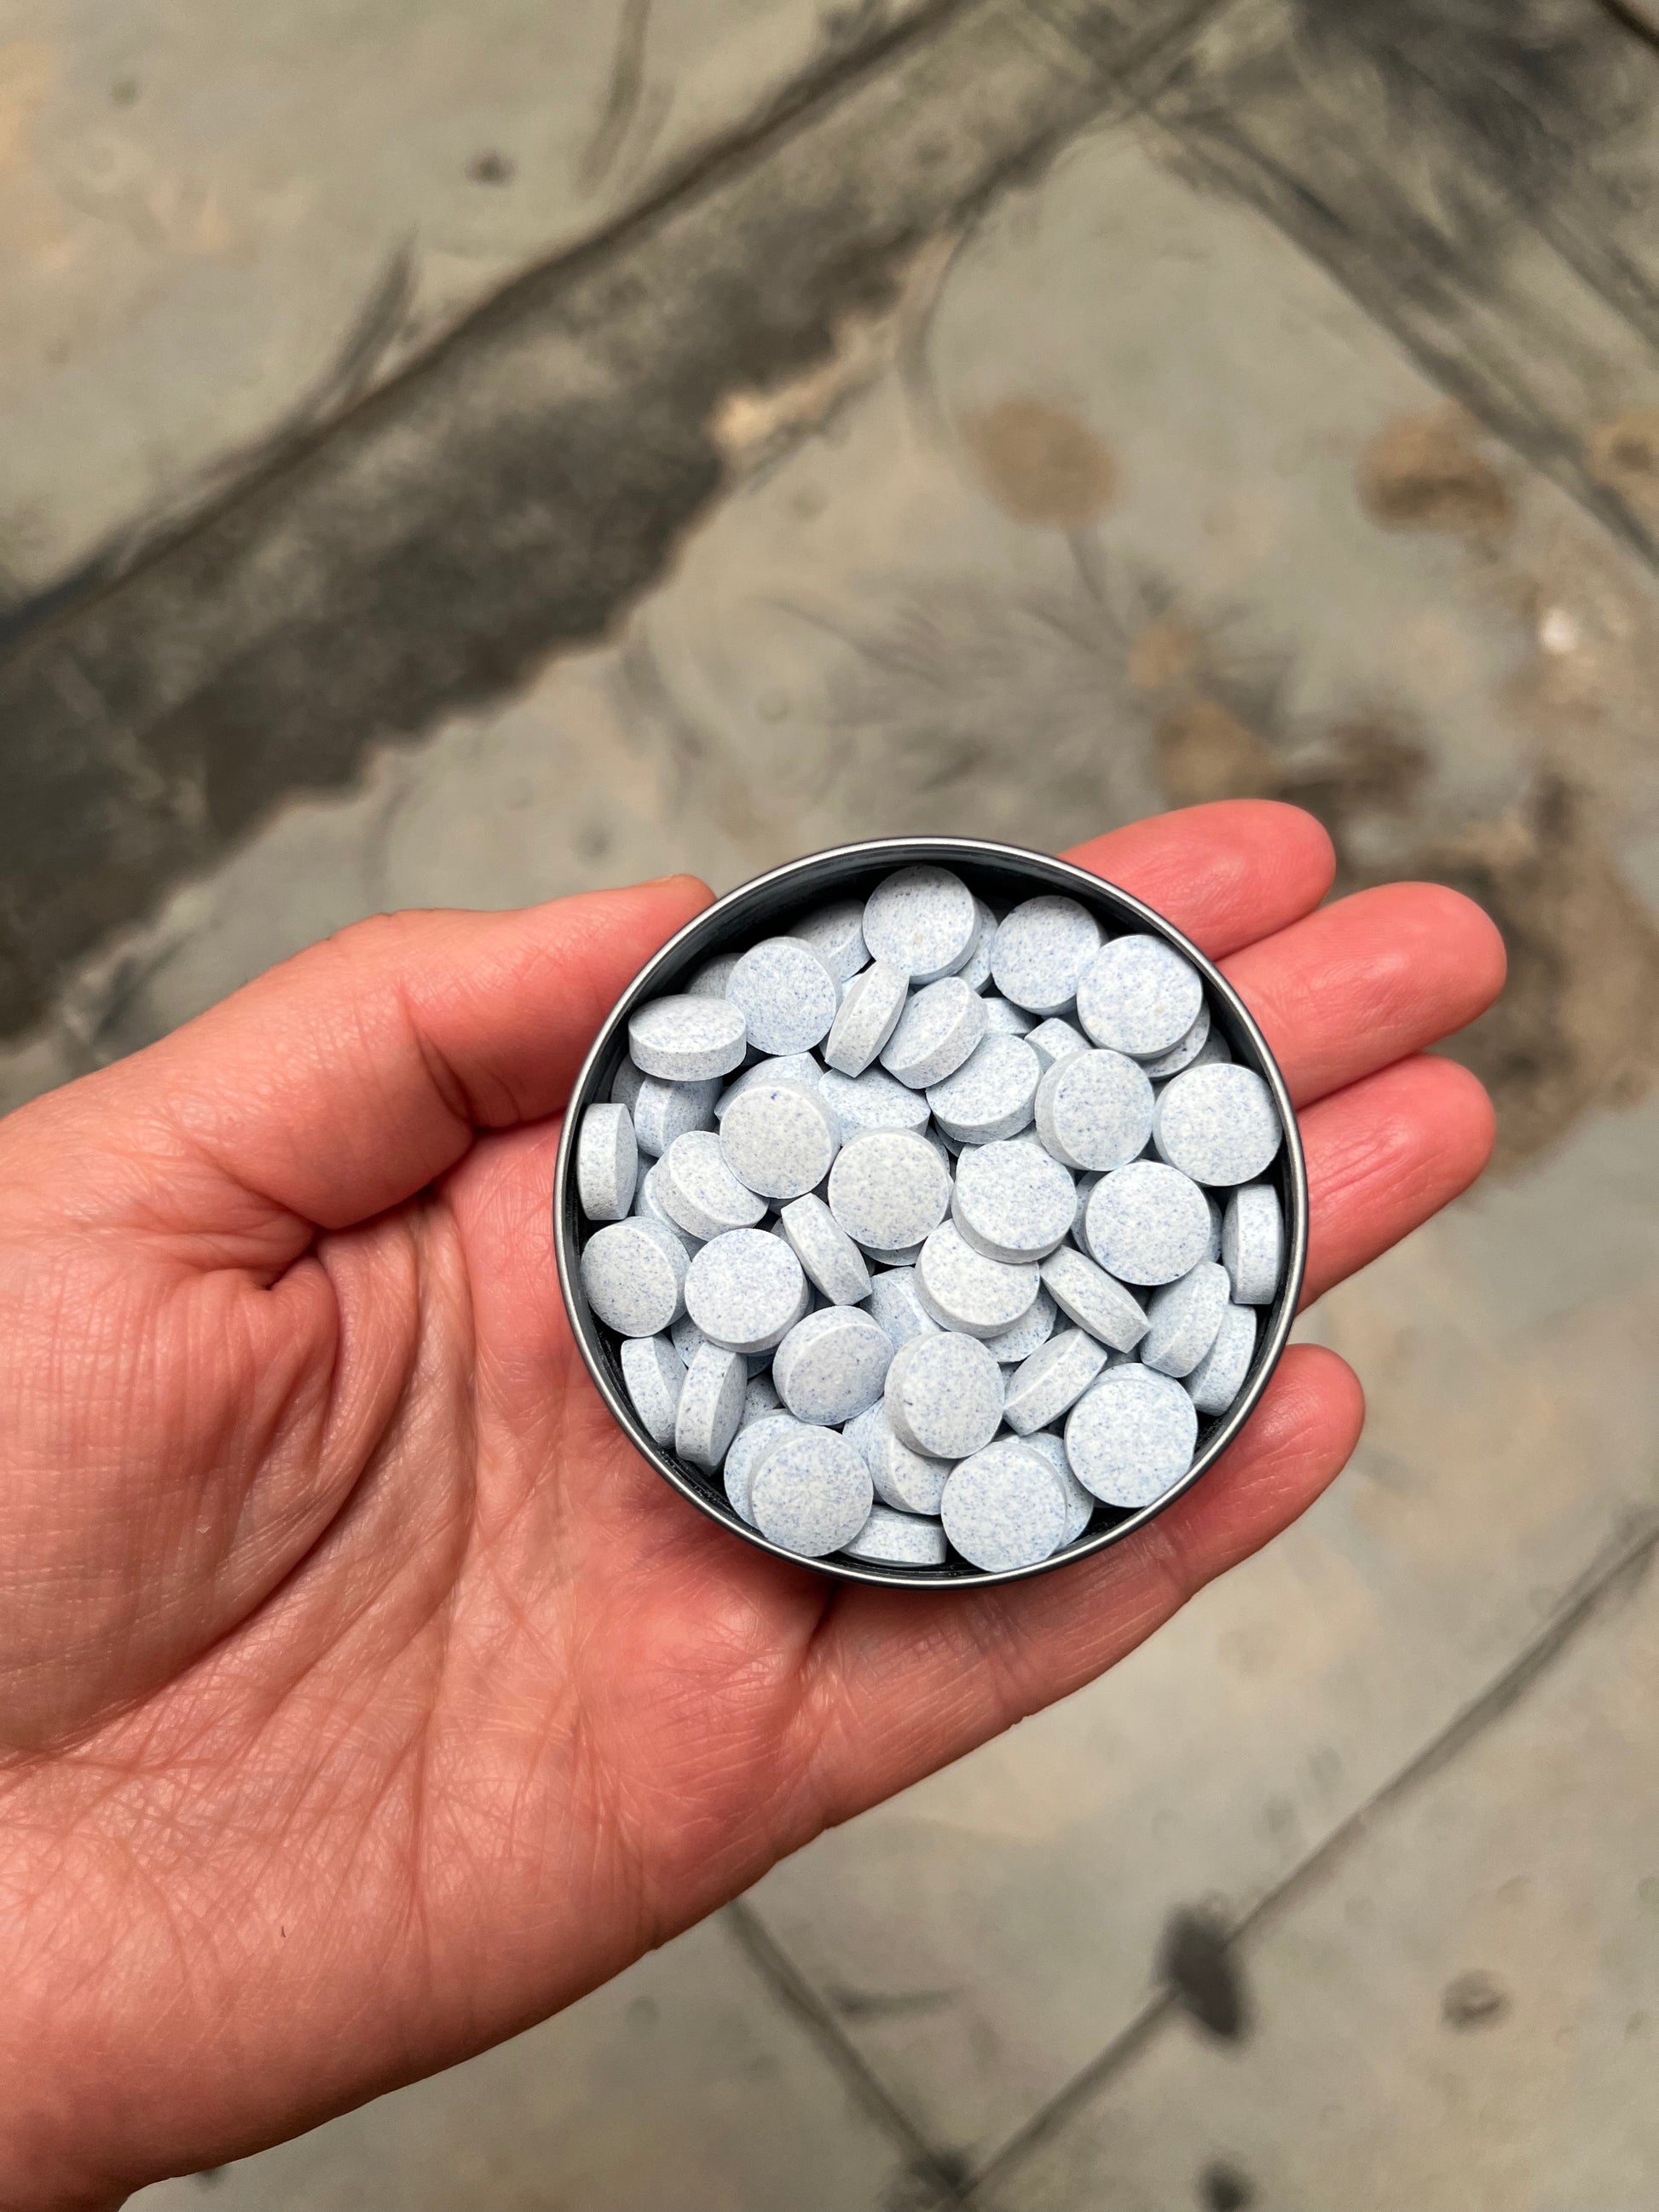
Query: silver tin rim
pixel 808 880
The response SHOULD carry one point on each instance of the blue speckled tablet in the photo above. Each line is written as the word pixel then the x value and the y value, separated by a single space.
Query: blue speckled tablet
pixel 1130 1438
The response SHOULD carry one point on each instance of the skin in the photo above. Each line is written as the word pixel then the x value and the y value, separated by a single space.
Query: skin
pixel 363 1697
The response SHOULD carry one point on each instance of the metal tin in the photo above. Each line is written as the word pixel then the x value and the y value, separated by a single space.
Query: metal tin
pixel 1002 875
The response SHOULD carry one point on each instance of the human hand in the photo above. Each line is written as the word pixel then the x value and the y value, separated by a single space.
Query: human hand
pixel 363 1697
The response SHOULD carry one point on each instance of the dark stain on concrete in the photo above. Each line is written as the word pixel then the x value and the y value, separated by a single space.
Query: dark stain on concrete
pixel 1523 85
pixel 1476 1999
pixel 511 494
pixel 1196 1959
pixel 927 2184
pixel 1223 2188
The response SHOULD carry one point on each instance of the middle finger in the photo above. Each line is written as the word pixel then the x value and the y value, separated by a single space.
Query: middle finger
pixel 1363 983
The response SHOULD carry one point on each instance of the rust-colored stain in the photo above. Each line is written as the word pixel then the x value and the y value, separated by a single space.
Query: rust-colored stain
pixel 1040 464
pixel 1166 652
pixel 1205 751
pixel 1578 1026
pixel 1624 455
pixel 1427 472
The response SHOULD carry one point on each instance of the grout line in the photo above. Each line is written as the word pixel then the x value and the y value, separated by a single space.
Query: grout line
pixel 1599 1588
pixel 1546 444
pixel 1639 17
pixel 797 1996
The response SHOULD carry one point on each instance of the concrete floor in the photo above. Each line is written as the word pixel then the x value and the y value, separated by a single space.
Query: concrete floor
pixel 1009 418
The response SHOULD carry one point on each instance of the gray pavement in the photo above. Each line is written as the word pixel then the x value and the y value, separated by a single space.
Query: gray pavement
pixel 1149 403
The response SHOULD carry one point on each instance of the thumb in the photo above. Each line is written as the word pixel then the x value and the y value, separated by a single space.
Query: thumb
pixel 351 1076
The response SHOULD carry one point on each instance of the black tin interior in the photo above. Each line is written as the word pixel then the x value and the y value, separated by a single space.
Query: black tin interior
pixel 1002 875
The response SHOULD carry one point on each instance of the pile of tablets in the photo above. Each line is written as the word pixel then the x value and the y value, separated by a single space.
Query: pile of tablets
pixel 928 1230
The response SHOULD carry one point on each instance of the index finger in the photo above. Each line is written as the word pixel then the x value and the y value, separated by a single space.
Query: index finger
pixel 1226 875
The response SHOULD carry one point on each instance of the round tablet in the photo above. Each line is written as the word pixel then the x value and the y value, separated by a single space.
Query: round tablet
pixel 833 1262
pixel 1132 1437
pixel 1011 1201
pixel 1253 1243
pixel 1217 1124
pixel 1096 1301
pixel 687 1338
pixel 1055 1040
pixel 895 1305
pixel 712 978
pixel 975 969
pixel 810 1493
pixel 700 1191
pixel 872 1101
pixel 938 1029
pixel 991 1096
pixel 634 1274
pixel 1043 948
pixel 1010 1345
pixel 688 1040
pixel 1004 1019
pixel 1212 1249
pixel 899 1540
pixel 1214 1051
pixel 1184 1054
pixel 1085 1191
pixel 1219 1376
pixel 711 1405
pixel 779 1138
pixel 1003 1507
pixel 746 1290
pixel 652 1369
pixel 888 1188
pixel 1183 1319
pixel 1094 1110
pixel 648 1206
pixel 942 1396
pixel 607 1162
pixel 625 1084
pixel 832 1365
pixel 663 1111
pixel 1137 995
pixel 788 996
pixel 922 919
pixel 1079 1506
pixel 835 933
pixel 797 1068
pixel 760 1397
pixel 1147 1223
pixel 749 1448
pixel 1052 1380
pixel 899 1255
pixel 906 1478
pixel 964 1290
pixel 867 1017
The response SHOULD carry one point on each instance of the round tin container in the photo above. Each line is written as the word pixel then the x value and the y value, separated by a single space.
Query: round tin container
pixel 1002 875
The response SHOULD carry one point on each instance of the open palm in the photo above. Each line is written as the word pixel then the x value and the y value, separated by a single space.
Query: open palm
pixel 363 1697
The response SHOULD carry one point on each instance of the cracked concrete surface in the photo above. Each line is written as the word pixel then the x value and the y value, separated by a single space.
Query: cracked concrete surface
pixel 1064 409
